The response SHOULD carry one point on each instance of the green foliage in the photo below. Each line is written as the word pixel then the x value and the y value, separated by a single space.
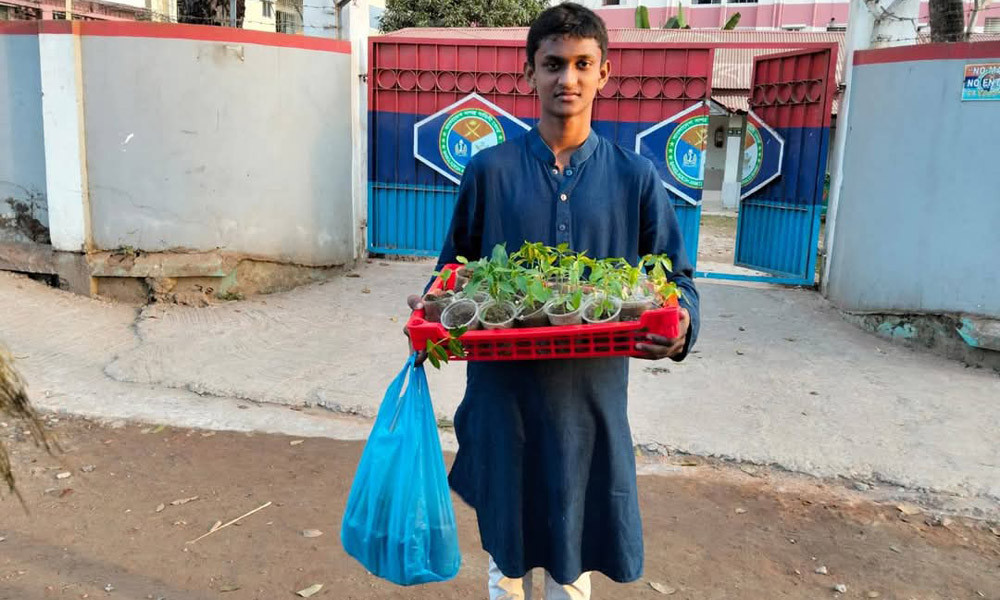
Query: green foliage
pixel 439 353
pixel 733 21
pixel 677 22
pixel 459 13
pixel 536 273
pixel 642 17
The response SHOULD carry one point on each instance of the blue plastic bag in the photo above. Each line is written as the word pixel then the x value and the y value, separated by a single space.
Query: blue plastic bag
pixel 399 521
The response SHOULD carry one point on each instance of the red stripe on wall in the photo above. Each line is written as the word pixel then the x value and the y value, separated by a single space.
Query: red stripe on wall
pixel 176 31
pixel 34 27
pixel 963 51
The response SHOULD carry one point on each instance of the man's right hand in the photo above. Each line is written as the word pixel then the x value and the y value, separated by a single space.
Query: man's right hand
pixel 415 302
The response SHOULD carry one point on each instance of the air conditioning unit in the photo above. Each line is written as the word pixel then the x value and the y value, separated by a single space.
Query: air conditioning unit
pixel 795 27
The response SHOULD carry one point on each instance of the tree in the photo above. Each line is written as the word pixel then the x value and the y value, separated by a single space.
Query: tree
pixel 209 12
pixel 947 21
pixel 459 13
pixel 642 17
pixel 678 21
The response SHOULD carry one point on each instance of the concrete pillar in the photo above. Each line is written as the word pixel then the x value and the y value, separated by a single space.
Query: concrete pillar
pixel 65 141
pixel 869 26
pixel 358 17
pixel 731 178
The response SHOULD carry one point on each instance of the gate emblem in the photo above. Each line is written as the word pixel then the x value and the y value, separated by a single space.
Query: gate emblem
pixel 753 154
pixel 448 139
pixel 465 134
pixel 686 151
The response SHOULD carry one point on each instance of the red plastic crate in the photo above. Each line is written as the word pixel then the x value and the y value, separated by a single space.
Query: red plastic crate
pixel 539 343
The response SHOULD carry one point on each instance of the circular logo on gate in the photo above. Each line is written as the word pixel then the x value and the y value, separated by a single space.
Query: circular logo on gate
pixel 753 154
pixel 686 152
pixel 465 134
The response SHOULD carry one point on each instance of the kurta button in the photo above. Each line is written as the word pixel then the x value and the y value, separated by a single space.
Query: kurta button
pixel 555 171
pixel 563 197
pixel 562 227
pixel 569 172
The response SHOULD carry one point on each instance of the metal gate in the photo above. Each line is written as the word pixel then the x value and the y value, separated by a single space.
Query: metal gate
pixel 778 226
pixel 418 82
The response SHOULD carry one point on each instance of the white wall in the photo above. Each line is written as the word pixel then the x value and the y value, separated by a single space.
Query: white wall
pixel 206 145
pixel 919 211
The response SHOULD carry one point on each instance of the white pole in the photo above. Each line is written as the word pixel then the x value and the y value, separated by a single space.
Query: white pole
pixel 358 30
pixel 882 24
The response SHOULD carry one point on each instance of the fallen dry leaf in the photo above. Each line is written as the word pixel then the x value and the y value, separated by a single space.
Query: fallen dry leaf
pixel 741 511
pixel 231 587
pixel 908 509
pixel 310 591
pixel 216 525
pixel 663 589
pixel 160 507
pixel 995 531
pixel 180 501
pixel 312 533
pixel 295 442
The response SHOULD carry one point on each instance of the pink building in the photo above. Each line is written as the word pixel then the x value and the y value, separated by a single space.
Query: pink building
pixel 84 10
pixel 802 15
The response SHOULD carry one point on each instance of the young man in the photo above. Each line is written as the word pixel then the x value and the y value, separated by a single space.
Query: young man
pixel 545 453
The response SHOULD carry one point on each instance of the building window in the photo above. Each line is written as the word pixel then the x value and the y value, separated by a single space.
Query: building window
pixel 288 16
pixel 992 25
pixel 742 1
pixel 611 2
pixel 19 13
pixel 706 1
pixel 267 8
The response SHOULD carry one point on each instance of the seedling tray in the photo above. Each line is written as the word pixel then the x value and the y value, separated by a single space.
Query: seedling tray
pixel 540 343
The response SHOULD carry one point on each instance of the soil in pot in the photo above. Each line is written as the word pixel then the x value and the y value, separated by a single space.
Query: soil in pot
pixel 461 313
pixel 434 305
pixel 560 314
pixel 633 308
pixel 532 315
pixel 497 315
pixel 610 310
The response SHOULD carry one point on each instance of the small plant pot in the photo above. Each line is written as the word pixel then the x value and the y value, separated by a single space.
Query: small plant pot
pixel 434 305
pixel 497 315
pixel 479 298
pixel 532 316
pixel 557 315
pixel 633 308
pixel 611 313
pixel 462 277
pixel 461 313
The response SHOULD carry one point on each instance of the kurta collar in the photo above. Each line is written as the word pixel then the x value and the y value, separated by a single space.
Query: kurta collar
pixel 542 151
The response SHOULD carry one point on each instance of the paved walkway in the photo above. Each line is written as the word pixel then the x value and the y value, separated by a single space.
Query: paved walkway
pixel 778 378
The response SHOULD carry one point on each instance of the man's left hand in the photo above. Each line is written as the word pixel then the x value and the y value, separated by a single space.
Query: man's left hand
pixel 657 347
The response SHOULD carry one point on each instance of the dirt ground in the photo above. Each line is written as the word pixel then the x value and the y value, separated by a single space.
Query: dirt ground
pixel 712 531
pixel 717 239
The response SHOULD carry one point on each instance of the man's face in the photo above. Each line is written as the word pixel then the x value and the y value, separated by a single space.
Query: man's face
pixel 567 74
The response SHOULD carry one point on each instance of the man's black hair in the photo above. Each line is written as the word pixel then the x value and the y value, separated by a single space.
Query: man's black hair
pixel 567 20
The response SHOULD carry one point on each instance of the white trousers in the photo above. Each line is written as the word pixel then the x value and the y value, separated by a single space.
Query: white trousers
pixel 505 588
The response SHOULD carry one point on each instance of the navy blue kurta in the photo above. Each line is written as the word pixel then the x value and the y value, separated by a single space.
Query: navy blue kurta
pixel 545 451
